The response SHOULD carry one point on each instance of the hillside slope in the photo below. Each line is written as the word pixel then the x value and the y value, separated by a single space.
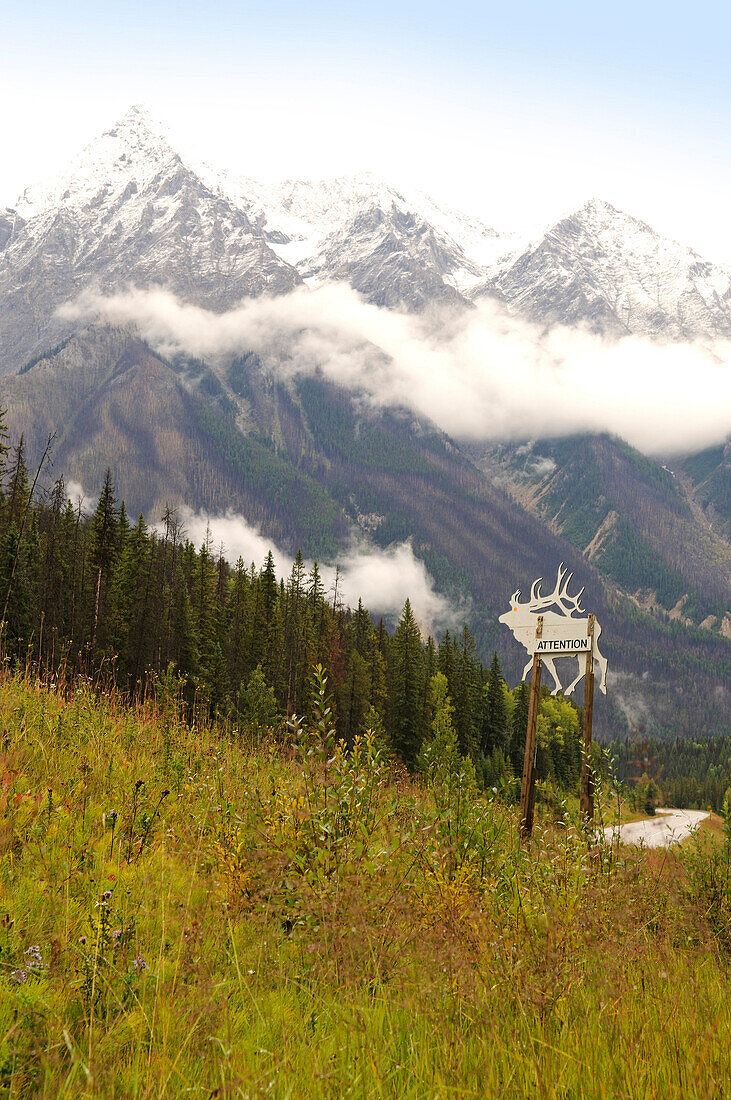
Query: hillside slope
pixel 706 478
pixel 309 463
pixel 247 922
pixel 629 516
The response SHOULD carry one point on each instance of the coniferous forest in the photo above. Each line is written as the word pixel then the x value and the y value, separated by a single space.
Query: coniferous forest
pixel 110 598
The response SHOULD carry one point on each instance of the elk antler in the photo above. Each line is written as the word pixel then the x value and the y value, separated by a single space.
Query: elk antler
pixel 537 601
pixel 558 598
pixel 568 604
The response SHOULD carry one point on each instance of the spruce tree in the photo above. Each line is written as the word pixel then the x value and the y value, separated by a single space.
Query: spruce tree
pixel 495 733
pixel 407 683
pixel 103 551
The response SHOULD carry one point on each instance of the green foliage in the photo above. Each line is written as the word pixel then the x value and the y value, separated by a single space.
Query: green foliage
pixel 257 702
pixel 407 687
pixel 691 773
pixel 183 912
pixel 448 774
pixel 496 720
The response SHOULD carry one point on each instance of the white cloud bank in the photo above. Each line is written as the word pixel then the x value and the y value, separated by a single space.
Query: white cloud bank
pixel 381 578
pixel 479 375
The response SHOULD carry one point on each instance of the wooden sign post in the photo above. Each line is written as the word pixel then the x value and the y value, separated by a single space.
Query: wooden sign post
pixel 549 627
pixel 528 788
pixel 586 804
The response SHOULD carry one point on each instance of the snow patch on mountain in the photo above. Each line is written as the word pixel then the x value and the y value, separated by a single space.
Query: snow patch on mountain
pixel 360 223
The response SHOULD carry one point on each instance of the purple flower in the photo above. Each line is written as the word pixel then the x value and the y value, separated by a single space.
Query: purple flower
pixel 117 935
pixel 82 939
pixel 106 895
pixel 33 955
pixel 139 963
pixel 19 976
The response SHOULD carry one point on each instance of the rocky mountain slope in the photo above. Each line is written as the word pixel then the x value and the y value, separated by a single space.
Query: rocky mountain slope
pixel 629 516
pixel 130 211
pixel 126 212
pixel 398 249
pixel 606 270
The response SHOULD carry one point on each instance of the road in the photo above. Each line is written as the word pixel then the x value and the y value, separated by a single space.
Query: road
pixel 666 828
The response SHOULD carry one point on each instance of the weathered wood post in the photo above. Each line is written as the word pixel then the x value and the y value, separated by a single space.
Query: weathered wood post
pixel 549 627
pixel 586 804
pixel 528 788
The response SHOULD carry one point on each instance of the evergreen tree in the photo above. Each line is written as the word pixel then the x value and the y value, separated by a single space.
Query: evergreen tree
pixel 495 733
pixel 439 755
pixel 18 491
pixel 257 701
pixel 467 696
pixel 103 550
pixel 407 681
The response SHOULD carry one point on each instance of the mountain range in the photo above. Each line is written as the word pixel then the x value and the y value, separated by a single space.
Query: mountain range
pixel 129 211
pixel 308 461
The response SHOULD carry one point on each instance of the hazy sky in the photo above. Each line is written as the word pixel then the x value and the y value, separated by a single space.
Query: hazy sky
pixel 517 111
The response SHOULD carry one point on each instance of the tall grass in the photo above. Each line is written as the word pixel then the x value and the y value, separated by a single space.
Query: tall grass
pixel 188 911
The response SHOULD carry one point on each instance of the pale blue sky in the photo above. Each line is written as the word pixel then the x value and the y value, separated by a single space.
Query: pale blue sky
pixel 517 110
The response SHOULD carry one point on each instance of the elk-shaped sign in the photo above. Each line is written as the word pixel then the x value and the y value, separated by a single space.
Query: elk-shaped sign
pixel 562 634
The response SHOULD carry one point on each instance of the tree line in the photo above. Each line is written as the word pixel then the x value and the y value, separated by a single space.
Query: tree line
pixel 685 772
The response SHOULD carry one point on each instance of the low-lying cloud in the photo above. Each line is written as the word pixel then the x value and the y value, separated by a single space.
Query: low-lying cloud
pixel 80 498
pixel 478 375
pixel 383 579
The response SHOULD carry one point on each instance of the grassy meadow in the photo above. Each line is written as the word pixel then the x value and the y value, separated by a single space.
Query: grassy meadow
pixel 198 911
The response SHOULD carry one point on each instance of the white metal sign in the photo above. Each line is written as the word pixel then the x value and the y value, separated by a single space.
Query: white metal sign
pixel 563 634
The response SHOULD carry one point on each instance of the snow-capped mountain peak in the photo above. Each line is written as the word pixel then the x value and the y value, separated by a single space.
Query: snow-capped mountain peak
pixel 128 210
pixel 129 154
pixel 602 268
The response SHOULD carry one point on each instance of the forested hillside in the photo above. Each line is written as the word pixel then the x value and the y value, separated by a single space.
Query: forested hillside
pixel 708 476
pixel 629 516
pixel 125 605
pixel 311 464
pixel 686 772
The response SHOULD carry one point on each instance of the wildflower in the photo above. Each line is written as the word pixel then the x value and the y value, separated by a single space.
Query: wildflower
pixel 19 976
pixel 112 816
pixel 139 963
pixel 106 895
pixel 117 935
pixel 82 940
pixel 33 955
